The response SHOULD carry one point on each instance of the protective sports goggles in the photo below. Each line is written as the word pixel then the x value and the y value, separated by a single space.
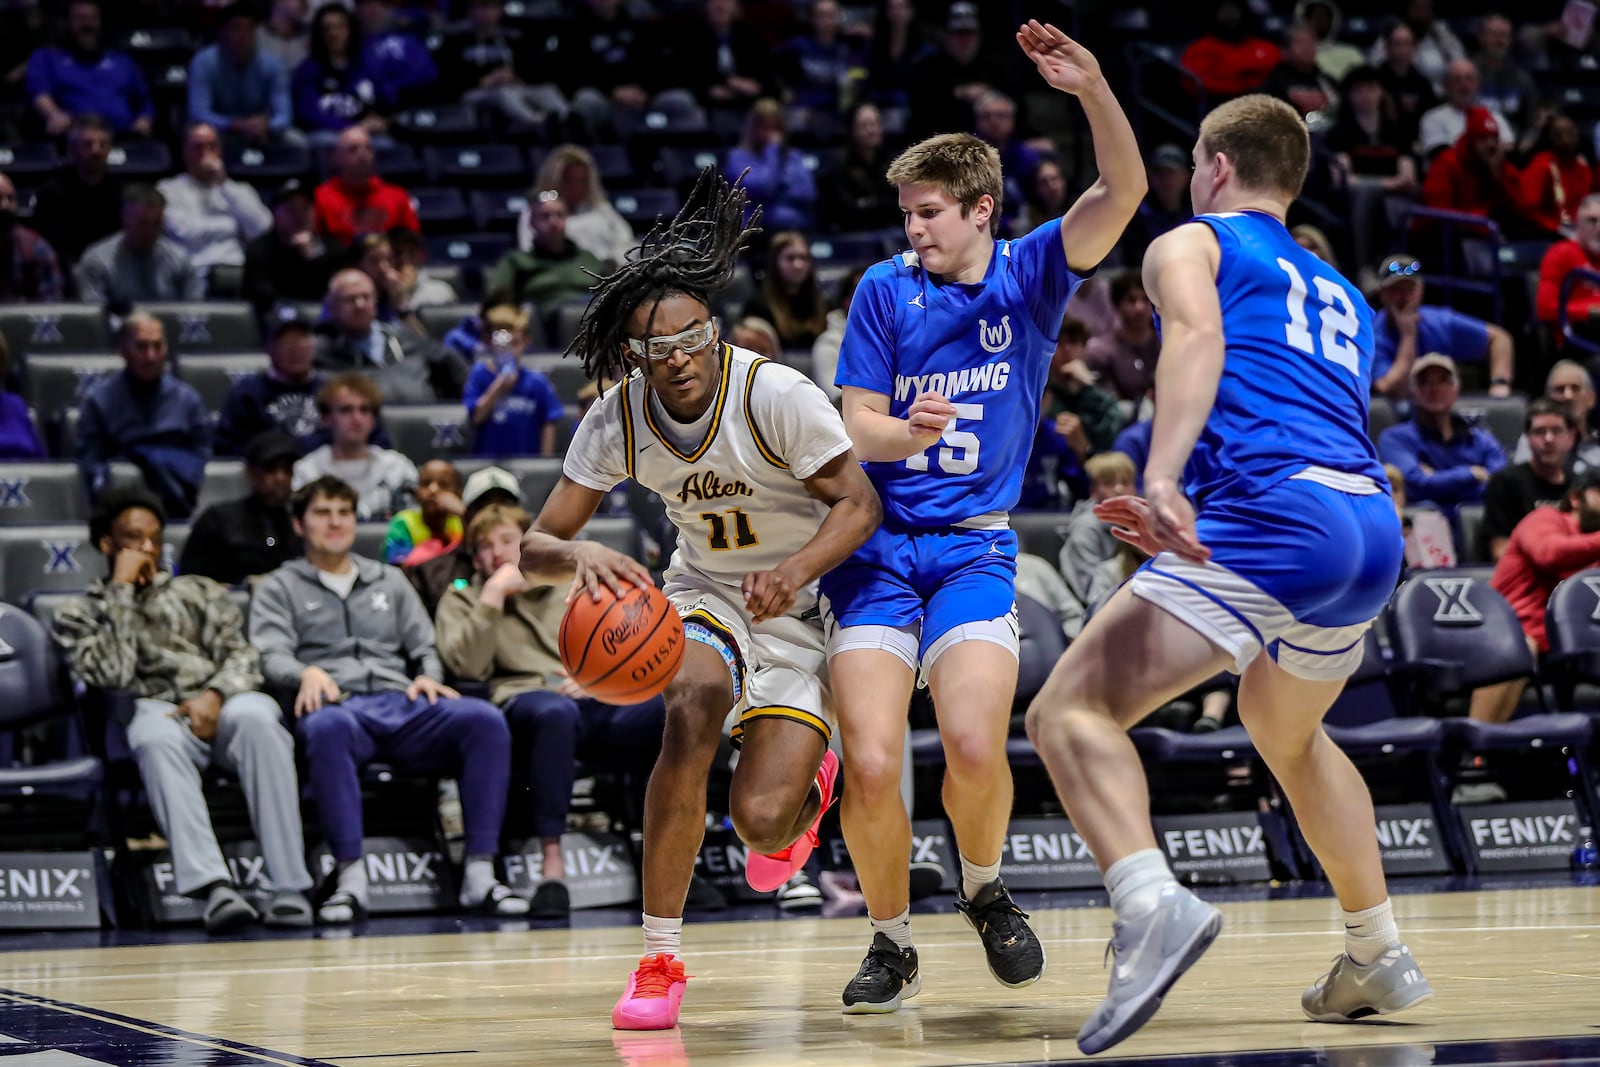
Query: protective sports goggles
pixel 689 341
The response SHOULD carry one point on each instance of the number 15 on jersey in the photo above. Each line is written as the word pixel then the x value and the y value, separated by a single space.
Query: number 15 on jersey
pixel 958 449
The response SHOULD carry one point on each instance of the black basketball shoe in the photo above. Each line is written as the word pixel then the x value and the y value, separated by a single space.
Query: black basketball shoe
pixel 1015 956
pixel 887 976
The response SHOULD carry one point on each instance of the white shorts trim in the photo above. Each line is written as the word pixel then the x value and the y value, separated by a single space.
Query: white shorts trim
pixel 899 641
pixel 1002 631
pixel 1241 619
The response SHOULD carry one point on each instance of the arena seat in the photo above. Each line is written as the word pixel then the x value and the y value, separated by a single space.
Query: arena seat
pixel 207 326
pixel 140 161
pixel 225 482
pixel 442 211
pixel 477 166
pixel 643 207
pixel 1471 545
pixel 429 431
pixel 369 539
pixel 1380 416
pixel 33 330
pixel 469 250
pixel 1502 416
pixel 620 533
pixel 267 166
pixel 54 383
pixel 497 209
pixel 1041 533
pixel 46 558
pixel 1572 625
pixel 537 475
pixel 33 493
pixel 213 375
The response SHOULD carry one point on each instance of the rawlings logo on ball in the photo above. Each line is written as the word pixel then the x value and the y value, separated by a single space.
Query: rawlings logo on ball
pixel 637 617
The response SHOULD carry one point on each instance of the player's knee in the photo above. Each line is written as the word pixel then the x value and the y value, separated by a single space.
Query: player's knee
pixel 873 774
pixel 971 753
pixel 761 822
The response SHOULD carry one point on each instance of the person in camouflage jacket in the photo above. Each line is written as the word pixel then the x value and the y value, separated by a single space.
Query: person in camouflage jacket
pixel 179 644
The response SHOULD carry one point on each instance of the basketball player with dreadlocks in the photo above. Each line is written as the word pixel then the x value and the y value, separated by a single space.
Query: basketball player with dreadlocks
pixel 758 475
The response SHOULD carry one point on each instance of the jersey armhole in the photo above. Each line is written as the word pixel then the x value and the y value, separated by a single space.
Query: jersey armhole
pixel 627 425
pixel 768 453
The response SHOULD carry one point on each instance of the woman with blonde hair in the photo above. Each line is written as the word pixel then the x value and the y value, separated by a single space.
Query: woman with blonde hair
pixel 789 297
pixel 592 223
pixel 774 173
pixel 1313 240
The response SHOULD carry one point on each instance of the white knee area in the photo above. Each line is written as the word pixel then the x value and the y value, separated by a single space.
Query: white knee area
pixel 252 713
pixel 153 729
pixel 1001 631
pixel 900 641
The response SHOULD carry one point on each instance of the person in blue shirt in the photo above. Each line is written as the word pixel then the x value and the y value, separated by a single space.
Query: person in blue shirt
pixel 777 176
pixel 403 65
pixel 1134 442
pixel 514 409
pixel 1445 459
pixel 945 355
pixel 1275 545
pixel 1406 328
pixel 335 87
pixel 82 76
pixel 236 87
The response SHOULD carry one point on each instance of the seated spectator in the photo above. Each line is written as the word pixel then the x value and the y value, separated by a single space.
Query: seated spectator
pixel 382 479
pixel 1563 257
pixel 83 203
pixel 235 542
pixel 554 268
pixel 1091 416
pixel 368 688
pixel 455 569
pixel 897 45
pixel 179 644
pixel 1335 57
pixel 138 265
pixel 1435 46
pixel 356 200
pixel 1557 178
pixel 290 261
pixel 994 121
pixel 1165 205
pixel 18 437
pixel 82 76
pixel 1546 548
pixel 1374 153
pixel 1412 92
pixel 514 409
pixel 815 68
pixel 1231 59
pixel 1474 177
pixel 1038 580
pixel 373 255
pixel 1044 196
pixel 1503 84
pixel 29 269
pixel 756 334
pixel 334 88
pixel 1429 540
pixel 1442 126
pixel 1091 304
pixel 1299 77
pixel 1446 460
pixel 433 527
pixel 1404 327
pixel 1125 360
pixel 855 196
pixel 1569 385
pixel 607 64
pixel 238 89
pixel 946 84
pixel 1089 541
pixel 400 62
pixel 1313 240
pixel 478 65
pixel 778 179
pixel 1054 476
pixel 592 223
pixel 789 297
pixel 408 367
pixel 1541 481
pixel 283 35
pixel 418 288
pixel 148 417
pixel 210 216
pixel 282 397
pixel 724 62
pixel 825 350
pixel 500 630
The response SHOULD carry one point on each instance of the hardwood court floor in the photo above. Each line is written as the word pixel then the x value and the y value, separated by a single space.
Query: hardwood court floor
pixel 1506 965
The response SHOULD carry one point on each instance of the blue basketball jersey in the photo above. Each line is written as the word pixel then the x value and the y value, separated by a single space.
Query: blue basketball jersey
pixel 1298 373
pixel 984 347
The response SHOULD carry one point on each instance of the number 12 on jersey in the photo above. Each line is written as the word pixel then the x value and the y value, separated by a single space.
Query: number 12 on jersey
pixel 1338 320
pixel 959 454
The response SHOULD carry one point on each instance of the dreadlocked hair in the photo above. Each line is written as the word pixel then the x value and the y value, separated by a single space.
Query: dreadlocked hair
pixel 693 255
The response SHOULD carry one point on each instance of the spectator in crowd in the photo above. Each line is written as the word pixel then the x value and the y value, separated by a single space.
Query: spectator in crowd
pixel 817 67
pixel 897 46
pixel 1374 152
pixel 789 297
pixel 356 200
pixel 592 223
pixel 402 64
pixel 382 479
pixel 368 688
pixel 825 350
pixel 1502 84
pixel 1411 90
pixel 373 255
pixel 334 88
pixel 554 268
pixel 236 88
pixel 607 65
pixel 1443 125
pixel 138 265
pixel 478 65
pixel 433 527
pixel 1405 328
pixel 1299 77
pixel 994 121
pixel 1125 360
pixel 408 367
pixel 282 397
pixel 1556 179
pixel 1313 240
pixel 1562 258
pixel 1547 547
pixel 290 261
pixel 283 35
pixel 210 216
pixel 1070 391
pixel 1335 57
pixel 1044 196
pixel 1475 177
pixel 1517 489
pixel 1435 47
pixel 18 437
pixel 946 84
pixel 499 629
pixel 513 409
pixel 725 63
pixel 1231 59
pixel 29 269
pixel 756 334
pixel 417 287
pixel 777 177
pixel 1569 385
pixel 148 417
pixel 82 76
pixel 855 196
pixel 1165 205
pixel 485 486
pixel 83 203
pixel 1090 542
pixel 24 30
pixel 1446 460
pixel 235 542
pixel 179 644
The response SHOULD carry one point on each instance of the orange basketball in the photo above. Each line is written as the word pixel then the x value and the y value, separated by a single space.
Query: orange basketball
pixel 622 650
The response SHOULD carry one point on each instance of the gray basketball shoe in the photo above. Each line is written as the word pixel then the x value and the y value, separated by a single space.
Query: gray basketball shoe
pixel 1152 952
pixel 1349 991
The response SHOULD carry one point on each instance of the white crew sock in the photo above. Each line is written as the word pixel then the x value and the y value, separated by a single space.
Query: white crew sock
pixel 353 879
pixel 975 877
pixel 1369 934
pixel 477 878
pixel 1135 883
pixel 897 929
pixel 662 936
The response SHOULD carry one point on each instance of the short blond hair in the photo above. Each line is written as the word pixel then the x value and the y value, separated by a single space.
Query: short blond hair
pixel 492 516
pixel 964 167
pixel 1264 138
pixel 506 317
pixel 1109 467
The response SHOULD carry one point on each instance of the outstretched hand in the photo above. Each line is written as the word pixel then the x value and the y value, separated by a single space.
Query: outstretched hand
pixel 1061 61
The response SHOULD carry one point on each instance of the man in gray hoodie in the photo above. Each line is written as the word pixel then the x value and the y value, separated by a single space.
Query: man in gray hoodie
pixel 351 636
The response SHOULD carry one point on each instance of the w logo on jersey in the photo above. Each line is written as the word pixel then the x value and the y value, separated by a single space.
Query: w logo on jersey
pixel 995 338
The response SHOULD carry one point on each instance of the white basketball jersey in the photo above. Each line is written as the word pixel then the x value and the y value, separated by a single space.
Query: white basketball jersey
pixel 733 481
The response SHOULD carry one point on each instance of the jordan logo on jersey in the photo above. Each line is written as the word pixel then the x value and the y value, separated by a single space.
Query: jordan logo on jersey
pixel 705 485
pixel 995 338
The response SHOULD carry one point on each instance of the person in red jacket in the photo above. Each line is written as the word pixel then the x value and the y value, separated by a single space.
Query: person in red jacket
pixel 1557 178
pixel 355 200
pixel 1475 177
pixel 1550 545
pixel 1583 303
pixel 1230 60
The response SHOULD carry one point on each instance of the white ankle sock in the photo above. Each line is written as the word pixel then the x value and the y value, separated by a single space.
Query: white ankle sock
pixel 1369 934
pixel 663 936
pixel 353 879
pixel 974 876
pixel 897 929
pixel 477 878
pixel 1135 882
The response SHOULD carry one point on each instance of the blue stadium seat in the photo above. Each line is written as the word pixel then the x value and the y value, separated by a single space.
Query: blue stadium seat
pixel 850 249
pixel 208 326
pixel 613 164
pixel 46 558
pixel 478 166
pixel 267 166
pixel 642 207
pixel 441 211
pixel 213 375
pixel 394 162
pixel 1471 546
pixel 29 164
pixel 140 161
pixel 429 431
pixel 498 210
pixel 38 329
pixel 679 166
pixel 1572 624
pixel 441 124
pixel 32 493
pixel 1452 633
pixel 35 688
pixel 469 250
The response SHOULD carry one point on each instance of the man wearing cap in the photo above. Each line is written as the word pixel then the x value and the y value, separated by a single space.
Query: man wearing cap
pixel 1440 126
pixel 1164 206
pixel 289 261
pixel 1473 176
pixel 209 215
pixel 1445 460
pixel 234 542
pixel 485 486
pixel 946 85
pixel 1405 327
